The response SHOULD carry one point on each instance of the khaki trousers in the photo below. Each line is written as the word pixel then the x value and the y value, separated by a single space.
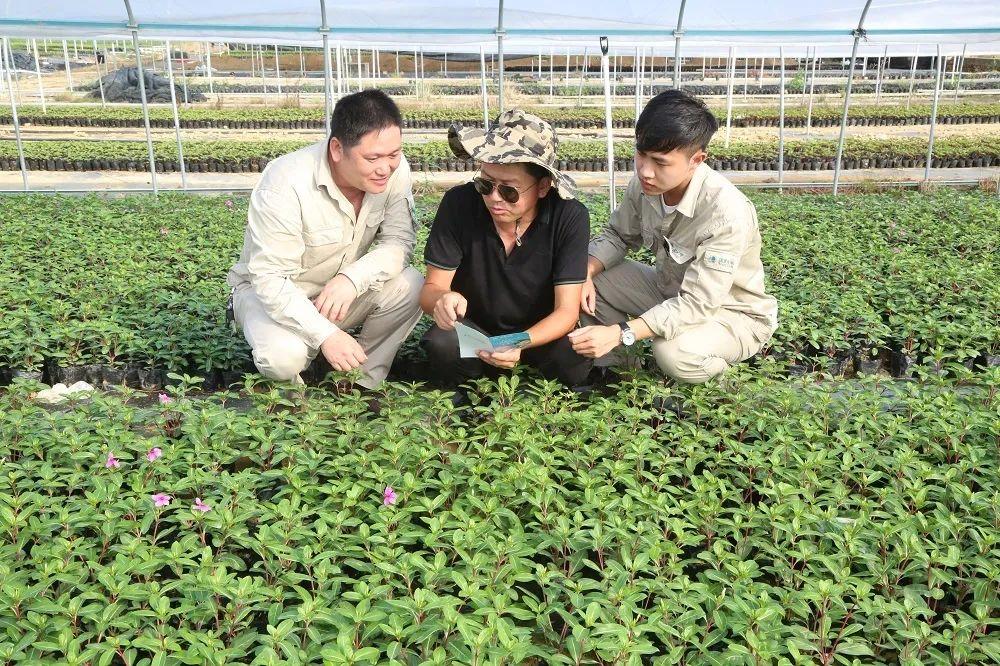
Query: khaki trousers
pixel 386 317
pixel 696 353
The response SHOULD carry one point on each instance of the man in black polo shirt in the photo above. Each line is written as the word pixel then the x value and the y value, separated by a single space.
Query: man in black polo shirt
pixel 507 254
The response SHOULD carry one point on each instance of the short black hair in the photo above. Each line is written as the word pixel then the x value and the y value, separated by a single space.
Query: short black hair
pixel 362 112
pixel 674 119
pixel 537 171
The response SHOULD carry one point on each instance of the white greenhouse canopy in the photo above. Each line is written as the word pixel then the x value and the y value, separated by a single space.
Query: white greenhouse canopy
pixel 707 26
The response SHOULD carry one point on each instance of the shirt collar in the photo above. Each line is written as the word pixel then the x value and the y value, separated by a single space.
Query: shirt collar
pixel 323 177
pixel 690 198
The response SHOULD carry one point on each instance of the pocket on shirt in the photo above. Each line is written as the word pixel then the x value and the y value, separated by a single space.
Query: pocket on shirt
pixel 317 237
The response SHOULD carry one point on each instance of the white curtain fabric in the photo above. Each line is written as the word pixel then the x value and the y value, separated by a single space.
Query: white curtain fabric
pixel 710 27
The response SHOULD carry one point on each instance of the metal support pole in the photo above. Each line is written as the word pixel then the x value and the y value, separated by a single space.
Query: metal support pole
pixel 208 65
pixel 606 75
pixel 961 69
pixel 397 64
pixel 881 70
pixel 567 66
pixel 934 112
pixel 858 34
pixel 781 119
pixel 340 73
pixel 100 78
pixel 583 72
pixel 678 33
pixel 552 74
pixel 302 64
pixel 812 86
pixel 416 74
pixel 729 95
pixel 142 95
pixel 13 113
pixel 638 84
pixel 263 78
pixel 184 79
pixel 38 75
pixel 177 120
pixel 746 75
pixel 324 30
pixel 500 33
pixel 277 70
pixel 482 87
pixel 760 73
pixel 69 71
pixel 913 76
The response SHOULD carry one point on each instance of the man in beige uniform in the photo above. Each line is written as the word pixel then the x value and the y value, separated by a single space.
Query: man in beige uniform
pixel 327 247
pixel 704 302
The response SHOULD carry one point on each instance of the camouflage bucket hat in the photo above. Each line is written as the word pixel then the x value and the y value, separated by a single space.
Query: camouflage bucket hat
pixel 515 136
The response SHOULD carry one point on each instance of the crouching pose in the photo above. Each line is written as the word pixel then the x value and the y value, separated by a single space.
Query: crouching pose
pixel 507 255
pixel 327 247
pixel 703 302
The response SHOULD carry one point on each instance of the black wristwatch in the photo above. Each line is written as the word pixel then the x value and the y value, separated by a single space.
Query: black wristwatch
pixel 628 335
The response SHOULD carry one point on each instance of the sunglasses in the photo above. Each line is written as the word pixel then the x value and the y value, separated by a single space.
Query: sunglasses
pixel 507 193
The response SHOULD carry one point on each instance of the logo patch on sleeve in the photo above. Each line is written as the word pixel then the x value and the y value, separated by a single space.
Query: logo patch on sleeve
pixel 720 261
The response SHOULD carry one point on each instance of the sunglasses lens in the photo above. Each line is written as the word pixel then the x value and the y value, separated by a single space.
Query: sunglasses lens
pixel 483 186
pixel 508 193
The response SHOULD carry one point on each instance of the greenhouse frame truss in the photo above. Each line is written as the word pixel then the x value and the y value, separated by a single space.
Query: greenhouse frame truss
pixel 476 39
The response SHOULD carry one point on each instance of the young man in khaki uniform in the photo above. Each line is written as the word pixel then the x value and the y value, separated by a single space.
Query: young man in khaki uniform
pixel 327 247
pixel 703 303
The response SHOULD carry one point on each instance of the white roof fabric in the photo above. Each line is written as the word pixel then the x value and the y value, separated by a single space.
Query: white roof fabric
pixel 709 26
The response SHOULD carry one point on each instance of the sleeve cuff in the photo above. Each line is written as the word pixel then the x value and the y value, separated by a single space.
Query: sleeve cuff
pixel 354 274
pixel 606 253
pixel 315 326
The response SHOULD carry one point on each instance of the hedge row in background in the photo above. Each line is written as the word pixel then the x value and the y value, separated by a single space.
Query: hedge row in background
pixel 437 118
pixel 253 156
pixel 590 90
pixel 138 284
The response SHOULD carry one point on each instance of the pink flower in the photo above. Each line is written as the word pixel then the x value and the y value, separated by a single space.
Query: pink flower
pixel 160 499
pixel 388 496
pixel 164 231
pixel 154 453
pixel 229 203
pixel 112 462
pixel 165 399
pixel 200 506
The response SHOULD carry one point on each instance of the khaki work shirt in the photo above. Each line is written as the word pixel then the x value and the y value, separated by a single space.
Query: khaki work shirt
pixel 302 231
pixel 707 253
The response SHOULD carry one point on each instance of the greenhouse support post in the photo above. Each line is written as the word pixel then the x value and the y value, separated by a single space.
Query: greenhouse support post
pixel 638 84
pixel 567 66
pixel 583 72
pixel 100 77
pixel 11 67
pixel 340 75
pixel 881 72
pixel 324 30
pixel 729 96
pixel 606 75
pixel 177 120
pixel 678 33
pixel 69 70
pixel 184 80
pixel 913 76
pixel 500 34
pixel 934 112
pixel 277 70
pixel 482 87
pixel 858 34
pixel 38 75
pixel 961 68
pixel 208 68
pixel 302 64
pixel 552 74
pixel 142 96
pixel 781 119
pixel 13 113
pixel 812 86
pixel 746 75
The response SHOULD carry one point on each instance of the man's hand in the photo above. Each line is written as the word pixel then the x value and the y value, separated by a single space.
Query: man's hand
pixel 343 352
pixel 595 341
pixel 336 298
pixel 501 359
pixel 450 307
pixel 588 297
